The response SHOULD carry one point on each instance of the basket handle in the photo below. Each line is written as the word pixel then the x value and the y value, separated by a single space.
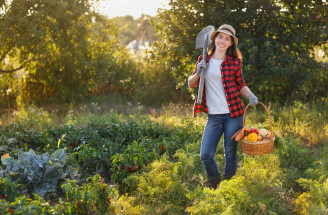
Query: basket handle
pixel 268 115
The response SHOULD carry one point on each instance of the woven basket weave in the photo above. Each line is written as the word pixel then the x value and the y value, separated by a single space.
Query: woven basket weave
pixel 262 147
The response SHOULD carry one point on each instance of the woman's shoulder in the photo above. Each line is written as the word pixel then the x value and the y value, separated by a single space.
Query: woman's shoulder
pixel 201 57
pixel 235 61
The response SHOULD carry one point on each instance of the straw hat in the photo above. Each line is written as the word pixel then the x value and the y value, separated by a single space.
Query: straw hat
pixel 227 29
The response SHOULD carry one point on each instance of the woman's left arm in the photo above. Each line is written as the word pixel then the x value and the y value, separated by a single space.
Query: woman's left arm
pixel 243 89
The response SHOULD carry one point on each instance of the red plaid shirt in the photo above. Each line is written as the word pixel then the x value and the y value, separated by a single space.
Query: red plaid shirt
pixel 233 81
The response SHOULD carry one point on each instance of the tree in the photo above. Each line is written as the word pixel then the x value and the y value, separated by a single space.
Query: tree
pixel 60 45
pixel 134 29
pixel 276 37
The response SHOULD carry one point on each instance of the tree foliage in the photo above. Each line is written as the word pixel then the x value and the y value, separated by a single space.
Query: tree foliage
pixel 134 29
pixel 276 37
pixel 60 50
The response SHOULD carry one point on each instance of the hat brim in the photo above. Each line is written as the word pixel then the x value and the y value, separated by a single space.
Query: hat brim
pixel 226 32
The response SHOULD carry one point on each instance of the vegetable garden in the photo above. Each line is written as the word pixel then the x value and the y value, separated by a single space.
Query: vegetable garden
pixel 110 163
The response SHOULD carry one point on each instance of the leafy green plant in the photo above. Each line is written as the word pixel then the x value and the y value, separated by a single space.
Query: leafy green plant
pixel 191 168
pixel 18 136
pixel 91 159
pixel 319 169
pixel 231 198
pixel 28 206
pixel 127 205
pixel 315 200
pixel 136 155
pixel 95 196
pixel 8 190
pixel 38 174
pixel 161 190
pixel 256 188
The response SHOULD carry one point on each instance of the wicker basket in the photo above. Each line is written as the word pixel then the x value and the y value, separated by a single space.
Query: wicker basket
pixel 258 147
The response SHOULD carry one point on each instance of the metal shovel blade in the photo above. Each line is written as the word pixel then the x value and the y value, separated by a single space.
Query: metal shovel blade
pixel 202 41
pixel 206 32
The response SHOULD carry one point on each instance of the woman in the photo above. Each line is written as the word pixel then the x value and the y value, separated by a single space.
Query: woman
pixel 223 83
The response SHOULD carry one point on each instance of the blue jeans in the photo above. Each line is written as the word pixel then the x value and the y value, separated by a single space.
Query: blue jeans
pixel 216 125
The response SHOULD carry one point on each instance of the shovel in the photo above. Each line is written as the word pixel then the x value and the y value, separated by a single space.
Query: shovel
pixel 202 42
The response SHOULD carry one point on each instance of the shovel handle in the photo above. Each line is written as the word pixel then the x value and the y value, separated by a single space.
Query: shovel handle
pixel 201 86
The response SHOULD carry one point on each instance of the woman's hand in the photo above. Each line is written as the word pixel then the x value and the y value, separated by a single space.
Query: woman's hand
pixel 200 65
pixel 252 100
pixel 193 80
pixel 245 91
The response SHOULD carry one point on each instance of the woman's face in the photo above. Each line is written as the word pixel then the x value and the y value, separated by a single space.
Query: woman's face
pixel 222 42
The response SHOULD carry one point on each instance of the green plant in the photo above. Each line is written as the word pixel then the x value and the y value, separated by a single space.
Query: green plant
pixel 28 206
pixel 18 136
pixel 161 190
pixel 127 205
pixel 315 200
pixel 191 169
pixel 256 188
pixel 231 198
pixel 38 174
pixel 92 159
pixel 319 169
pixel 8 190
pixel 136 155
pixel 32 117
pixel 95 196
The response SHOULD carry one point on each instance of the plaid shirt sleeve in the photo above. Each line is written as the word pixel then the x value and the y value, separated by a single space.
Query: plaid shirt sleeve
pixel 233 81
pixel 239 79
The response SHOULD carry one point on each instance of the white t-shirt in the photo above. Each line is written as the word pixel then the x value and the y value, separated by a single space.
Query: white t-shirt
pixel 215 96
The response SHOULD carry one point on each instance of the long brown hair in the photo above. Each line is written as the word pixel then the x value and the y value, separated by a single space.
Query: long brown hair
pixel 232 51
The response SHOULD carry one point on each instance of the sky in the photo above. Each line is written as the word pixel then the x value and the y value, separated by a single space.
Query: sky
pixel 135 8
